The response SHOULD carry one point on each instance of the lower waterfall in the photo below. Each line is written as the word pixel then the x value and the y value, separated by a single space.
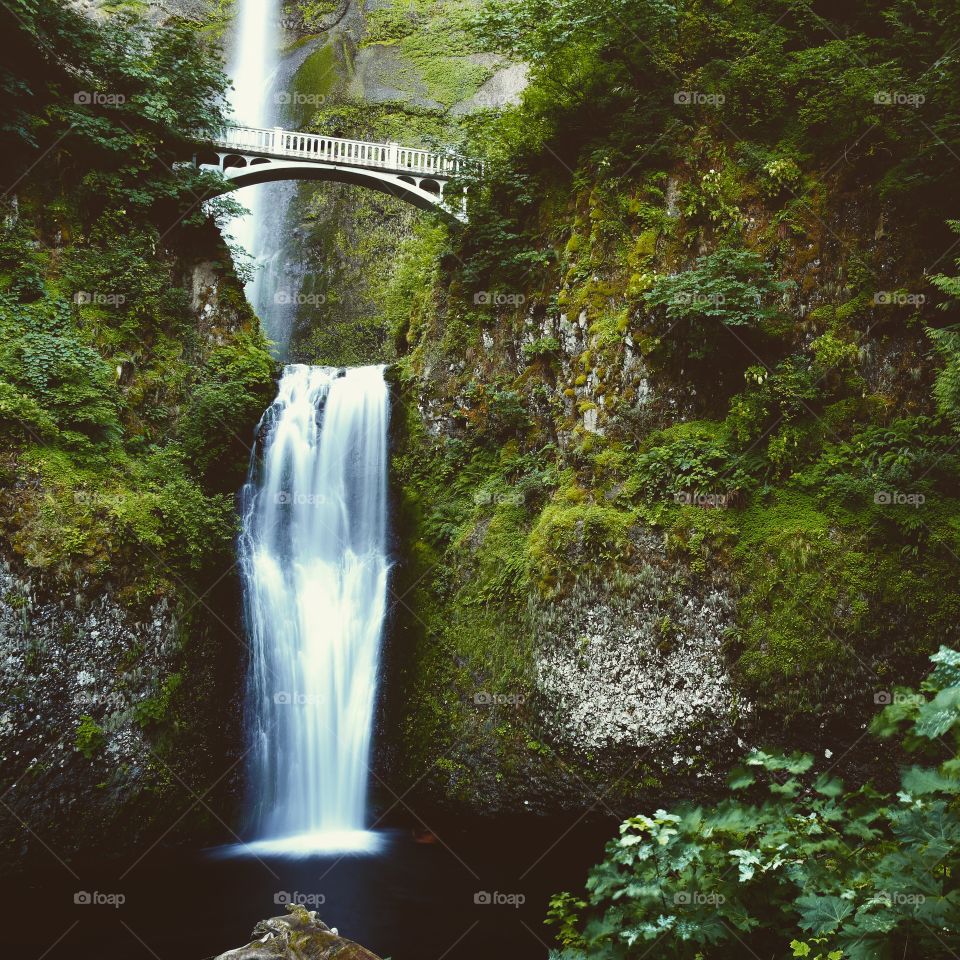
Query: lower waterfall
pixel 313 558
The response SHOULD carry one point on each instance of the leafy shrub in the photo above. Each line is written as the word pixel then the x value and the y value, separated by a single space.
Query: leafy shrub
pixel 695 457
pixel 946 342
pixel 793 861
pixel 734 288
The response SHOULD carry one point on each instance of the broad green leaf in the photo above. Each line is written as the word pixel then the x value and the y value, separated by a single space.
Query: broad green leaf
pixel 822 914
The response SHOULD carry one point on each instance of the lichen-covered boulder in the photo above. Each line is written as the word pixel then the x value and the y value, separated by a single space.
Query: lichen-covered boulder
pixel 297 936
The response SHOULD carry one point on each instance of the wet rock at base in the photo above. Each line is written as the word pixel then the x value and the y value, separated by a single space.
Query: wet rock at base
pixel 297 936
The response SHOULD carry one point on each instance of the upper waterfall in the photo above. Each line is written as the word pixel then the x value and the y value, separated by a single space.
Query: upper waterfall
pixel 255 71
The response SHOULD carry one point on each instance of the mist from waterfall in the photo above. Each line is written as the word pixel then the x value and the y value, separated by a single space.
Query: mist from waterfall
pixel 313 557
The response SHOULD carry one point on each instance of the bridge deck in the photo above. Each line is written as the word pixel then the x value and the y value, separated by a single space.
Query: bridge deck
pixel 389 157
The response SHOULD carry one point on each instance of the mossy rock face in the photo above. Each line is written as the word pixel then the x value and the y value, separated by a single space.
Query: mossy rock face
pixel 548 635
pixel 124 442
pixel 743 475
pixel 124 708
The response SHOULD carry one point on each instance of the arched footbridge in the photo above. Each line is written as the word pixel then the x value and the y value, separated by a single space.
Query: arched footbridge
pixel 249 155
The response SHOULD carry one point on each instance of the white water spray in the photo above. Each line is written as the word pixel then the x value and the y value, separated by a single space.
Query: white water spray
pixel 314 565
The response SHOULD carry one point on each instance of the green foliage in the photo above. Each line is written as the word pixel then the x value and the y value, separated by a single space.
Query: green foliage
pixel 693 457
pixel 313 12
pixel 732 288
pixel 541 347
pixel 946 342
pixel 793 859
pixel 155 710
pixel 572 535
pixel 232 391
pixel 806 600
pixel 111 103
pixel 433 44
pixel 90 737
pixel 123 428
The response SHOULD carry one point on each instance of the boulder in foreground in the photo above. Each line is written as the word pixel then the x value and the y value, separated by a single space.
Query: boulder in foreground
pixel 297 936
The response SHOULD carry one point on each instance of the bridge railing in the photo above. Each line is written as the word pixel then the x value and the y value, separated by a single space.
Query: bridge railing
pixel 308 146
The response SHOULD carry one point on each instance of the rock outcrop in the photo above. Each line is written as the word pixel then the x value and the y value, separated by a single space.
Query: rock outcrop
pixel 297 936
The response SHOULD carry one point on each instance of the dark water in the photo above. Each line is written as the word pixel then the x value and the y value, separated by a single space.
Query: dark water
pixel 411 901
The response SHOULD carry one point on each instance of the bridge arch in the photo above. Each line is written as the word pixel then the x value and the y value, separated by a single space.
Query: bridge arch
pixel 425 194
pixel 245 156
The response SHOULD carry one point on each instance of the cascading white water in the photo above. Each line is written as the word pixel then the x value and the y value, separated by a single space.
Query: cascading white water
pixel 254 68
pixel 314 565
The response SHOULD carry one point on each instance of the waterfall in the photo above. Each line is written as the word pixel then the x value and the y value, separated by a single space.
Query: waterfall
pixel 254 68
pixel 314 567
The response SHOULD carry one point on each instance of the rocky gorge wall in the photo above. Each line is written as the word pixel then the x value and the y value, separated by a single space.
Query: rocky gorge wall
pixel 595 595
pixel 123 656
pixel 112 719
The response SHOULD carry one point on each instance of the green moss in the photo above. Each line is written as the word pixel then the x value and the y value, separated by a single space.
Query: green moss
pixel 804 604
pixel 570 538
pixel 90 737
pixel 313 85
pixel 434 45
